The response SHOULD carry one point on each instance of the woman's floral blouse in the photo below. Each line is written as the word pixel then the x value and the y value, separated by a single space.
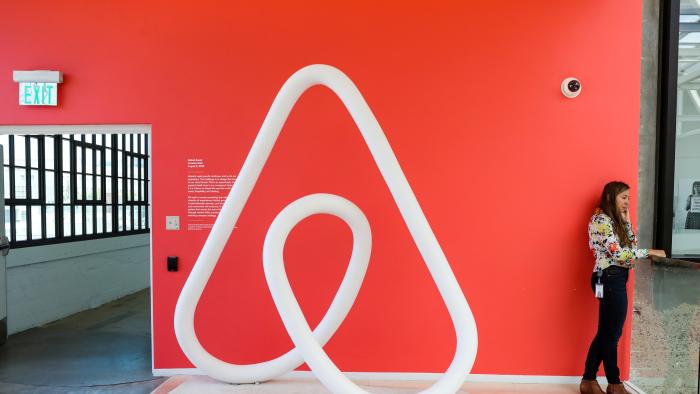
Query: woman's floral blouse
pixel 605 244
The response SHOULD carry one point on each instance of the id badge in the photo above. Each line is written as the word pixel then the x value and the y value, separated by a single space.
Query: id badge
pixel 599 290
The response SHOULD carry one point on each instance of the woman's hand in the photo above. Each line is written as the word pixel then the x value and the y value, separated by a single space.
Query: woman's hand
pixel 625 216
pixel 657 253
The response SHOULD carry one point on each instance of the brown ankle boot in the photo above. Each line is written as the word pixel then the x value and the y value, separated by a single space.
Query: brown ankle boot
pixel 617 389
pixel 590 387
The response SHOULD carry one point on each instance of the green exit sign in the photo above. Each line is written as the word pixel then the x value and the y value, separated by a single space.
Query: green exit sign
pixel 38 93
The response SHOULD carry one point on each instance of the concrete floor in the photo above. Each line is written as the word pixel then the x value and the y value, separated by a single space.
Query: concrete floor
pixel 103 350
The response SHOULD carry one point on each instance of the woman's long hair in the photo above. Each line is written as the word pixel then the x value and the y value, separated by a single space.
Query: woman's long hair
pixel 609 207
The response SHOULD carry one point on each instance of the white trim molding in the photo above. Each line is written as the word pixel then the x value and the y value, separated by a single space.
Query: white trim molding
pixel 77 129
pixel 634 388
pixel 411 376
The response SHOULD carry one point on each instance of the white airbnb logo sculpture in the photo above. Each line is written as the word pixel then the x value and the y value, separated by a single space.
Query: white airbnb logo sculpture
pixel 309 345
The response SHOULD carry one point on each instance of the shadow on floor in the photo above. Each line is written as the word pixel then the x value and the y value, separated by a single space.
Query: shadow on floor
pixel 102 350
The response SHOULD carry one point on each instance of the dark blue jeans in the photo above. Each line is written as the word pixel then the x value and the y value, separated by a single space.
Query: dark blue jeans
pixel 611 318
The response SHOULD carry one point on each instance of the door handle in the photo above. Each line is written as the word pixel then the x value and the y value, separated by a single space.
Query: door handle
pixel 4 245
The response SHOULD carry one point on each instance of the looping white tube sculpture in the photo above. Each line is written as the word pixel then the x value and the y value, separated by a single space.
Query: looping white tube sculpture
pixel 308 344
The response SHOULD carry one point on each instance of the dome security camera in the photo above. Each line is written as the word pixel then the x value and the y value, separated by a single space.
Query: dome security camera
pixel 571 87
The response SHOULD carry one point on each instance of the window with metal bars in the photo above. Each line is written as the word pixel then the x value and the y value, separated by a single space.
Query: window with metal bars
pixel 71 187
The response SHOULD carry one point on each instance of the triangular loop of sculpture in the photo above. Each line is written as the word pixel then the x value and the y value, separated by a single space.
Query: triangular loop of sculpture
pixel 308 344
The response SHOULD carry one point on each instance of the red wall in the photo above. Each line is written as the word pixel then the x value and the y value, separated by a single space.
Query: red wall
pixel 506 169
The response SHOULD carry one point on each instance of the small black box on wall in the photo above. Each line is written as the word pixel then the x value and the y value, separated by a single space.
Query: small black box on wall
pixel 172 263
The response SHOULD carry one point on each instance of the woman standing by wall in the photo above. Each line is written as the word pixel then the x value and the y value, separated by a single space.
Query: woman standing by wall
pixel 614 246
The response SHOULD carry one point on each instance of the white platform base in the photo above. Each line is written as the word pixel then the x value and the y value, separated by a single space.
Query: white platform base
pixel 204 384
